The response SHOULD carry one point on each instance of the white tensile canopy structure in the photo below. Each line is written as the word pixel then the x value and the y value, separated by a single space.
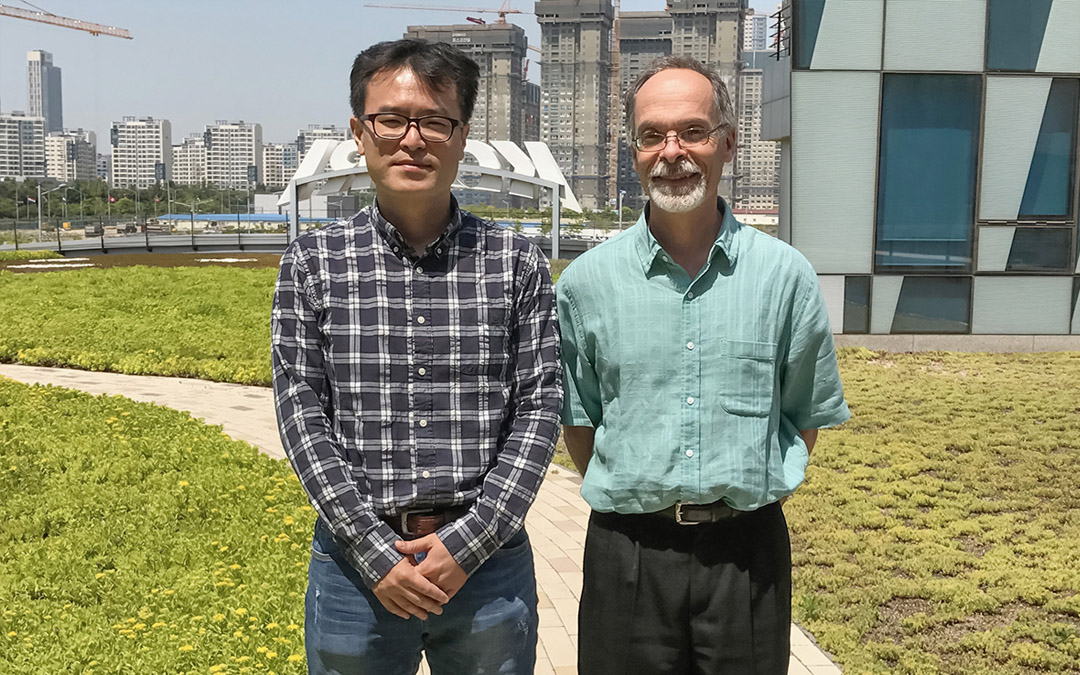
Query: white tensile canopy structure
pixel 334 167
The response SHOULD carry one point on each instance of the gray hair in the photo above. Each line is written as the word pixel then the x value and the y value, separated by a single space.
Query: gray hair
pixel 721 98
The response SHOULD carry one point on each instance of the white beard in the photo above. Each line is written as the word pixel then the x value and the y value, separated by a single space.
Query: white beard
pixel 676 199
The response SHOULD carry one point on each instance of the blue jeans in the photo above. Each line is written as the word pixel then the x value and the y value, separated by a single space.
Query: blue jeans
pixel 488 627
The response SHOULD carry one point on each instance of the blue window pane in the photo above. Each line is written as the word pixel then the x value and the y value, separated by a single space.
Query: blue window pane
pixel 1016 30
pixel 933 305
pixel 857 305
pixel 1041 249
pixel 1049 190
pixel 927 168
pixel 807 22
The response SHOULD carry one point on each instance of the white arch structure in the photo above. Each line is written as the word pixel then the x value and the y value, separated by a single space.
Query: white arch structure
pixel 503 167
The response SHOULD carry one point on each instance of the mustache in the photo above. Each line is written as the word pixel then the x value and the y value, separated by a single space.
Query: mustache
pixel 681 169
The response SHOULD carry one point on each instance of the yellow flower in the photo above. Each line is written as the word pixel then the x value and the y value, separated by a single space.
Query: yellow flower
pixel 168 591
pixel 295 658
pixel 271 655
pixel 219 618
pixel 289 520
pixel 260 650
pixel 12 634
pixel 139 626
pixel 183 483
pixel 239 633
pixel 292 626
pixel 223 549
pixel 158 624
pixel 240 611
pixel 99 575
pixel 218 667
pixel 272 625
pixel 234 566
pixel 187 648
pixel 124 414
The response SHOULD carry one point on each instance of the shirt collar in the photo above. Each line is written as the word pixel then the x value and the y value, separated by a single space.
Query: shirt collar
pixel 726 240
pixel 397 242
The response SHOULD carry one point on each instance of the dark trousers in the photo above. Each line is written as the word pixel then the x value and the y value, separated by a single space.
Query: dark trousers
pixel 665 598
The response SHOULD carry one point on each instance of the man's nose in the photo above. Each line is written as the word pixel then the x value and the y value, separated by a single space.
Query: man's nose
pixel 412 138
pixel 672 151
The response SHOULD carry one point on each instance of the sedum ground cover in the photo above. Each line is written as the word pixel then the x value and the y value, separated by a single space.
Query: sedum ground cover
pixel 939 529
pixel 211 323
pixel 137 540
pixel 24 254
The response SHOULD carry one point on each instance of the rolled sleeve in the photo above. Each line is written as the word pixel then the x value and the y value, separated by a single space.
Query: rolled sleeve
pixel 811 394
pixel 582 405
pixel 302 399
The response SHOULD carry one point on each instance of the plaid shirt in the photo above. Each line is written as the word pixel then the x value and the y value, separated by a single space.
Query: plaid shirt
pixel 407 381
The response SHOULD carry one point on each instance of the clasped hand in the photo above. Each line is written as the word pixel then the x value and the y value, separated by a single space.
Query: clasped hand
pixel 423 581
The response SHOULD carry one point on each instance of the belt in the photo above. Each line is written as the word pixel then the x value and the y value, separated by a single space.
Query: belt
pixel 422 522
pixel 696 514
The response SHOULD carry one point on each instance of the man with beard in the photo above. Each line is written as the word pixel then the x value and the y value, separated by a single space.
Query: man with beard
pixel 698 365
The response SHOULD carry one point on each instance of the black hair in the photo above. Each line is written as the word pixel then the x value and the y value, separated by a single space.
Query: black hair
pixel 438 65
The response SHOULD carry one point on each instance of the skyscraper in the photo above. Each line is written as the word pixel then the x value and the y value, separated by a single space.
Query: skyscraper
pixel 757 162
pixel 71 155
pixel 575 93
pixel 711 32
pixel 189 161
pixel 643 38
pixel 234 154
pixel 141 151
pixel 22 146
pixel 755 32
pixel 43 90
pixel 499 50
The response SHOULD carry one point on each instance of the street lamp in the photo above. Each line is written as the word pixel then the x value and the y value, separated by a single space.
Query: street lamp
pixel 41 194
pixel 82 214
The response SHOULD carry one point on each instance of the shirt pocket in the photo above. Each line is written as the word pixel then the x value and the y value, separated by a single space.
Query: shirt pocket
pixel 747 372
pixel 483 342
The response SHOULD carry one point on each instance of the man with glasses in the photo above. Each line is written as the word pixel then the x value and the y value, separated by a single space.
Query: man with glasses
pixel 699 365
pixel 417 384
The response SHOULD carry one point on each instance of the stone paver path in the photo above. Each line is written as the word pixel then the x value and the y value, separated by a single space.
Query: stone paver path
pixel 556 522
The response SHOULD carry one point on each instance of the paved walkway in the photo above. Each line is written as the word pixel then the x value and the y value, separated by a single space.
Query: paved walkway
pixel 556 522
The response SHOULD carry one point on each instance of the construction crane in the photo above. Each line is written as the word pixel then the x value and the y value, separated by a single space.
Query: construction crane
pixel 502 11
pixel 63 22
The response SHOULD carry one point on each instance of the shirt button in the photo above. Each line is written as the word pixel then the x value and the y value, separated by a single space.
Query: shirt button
pixel 423 423
pixel 422 371
pixel 664 258
pixel 689 345
pixel 690 400
pixel 419 319
pixel 419 270
pixel 690 295
pixel 689 453
pixel 426 474
pixel 438 251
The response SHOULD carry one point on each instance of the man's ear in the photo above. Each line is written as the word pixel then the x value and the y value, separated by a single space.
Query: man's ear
pixel 357 127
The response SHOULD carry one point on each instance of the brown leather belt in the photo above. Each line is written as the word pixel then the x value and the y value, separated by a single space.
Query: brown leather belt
pixel 422 522
pixel 696 514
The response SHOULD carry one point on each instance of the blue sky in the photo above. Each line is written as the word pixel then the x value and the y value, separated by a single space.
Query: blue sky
pixel 284 65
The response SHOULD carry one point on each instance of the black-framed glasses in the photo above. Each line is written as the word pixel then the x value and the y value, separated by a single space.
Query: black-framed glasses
pixel 651 140
pixel 393 126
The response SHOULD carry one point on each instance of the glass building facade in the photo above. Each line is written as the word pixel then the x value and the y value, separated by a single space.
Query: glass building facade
pixel 929 152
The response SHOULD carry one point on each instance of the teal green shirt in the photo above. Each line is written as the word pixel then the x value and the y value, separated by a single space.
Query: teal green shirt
pixel 696 388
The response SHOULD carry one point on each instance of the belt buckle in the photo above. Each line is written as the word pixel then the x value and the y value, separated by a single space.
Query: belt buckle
pixel 679 516
pixel 405 519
